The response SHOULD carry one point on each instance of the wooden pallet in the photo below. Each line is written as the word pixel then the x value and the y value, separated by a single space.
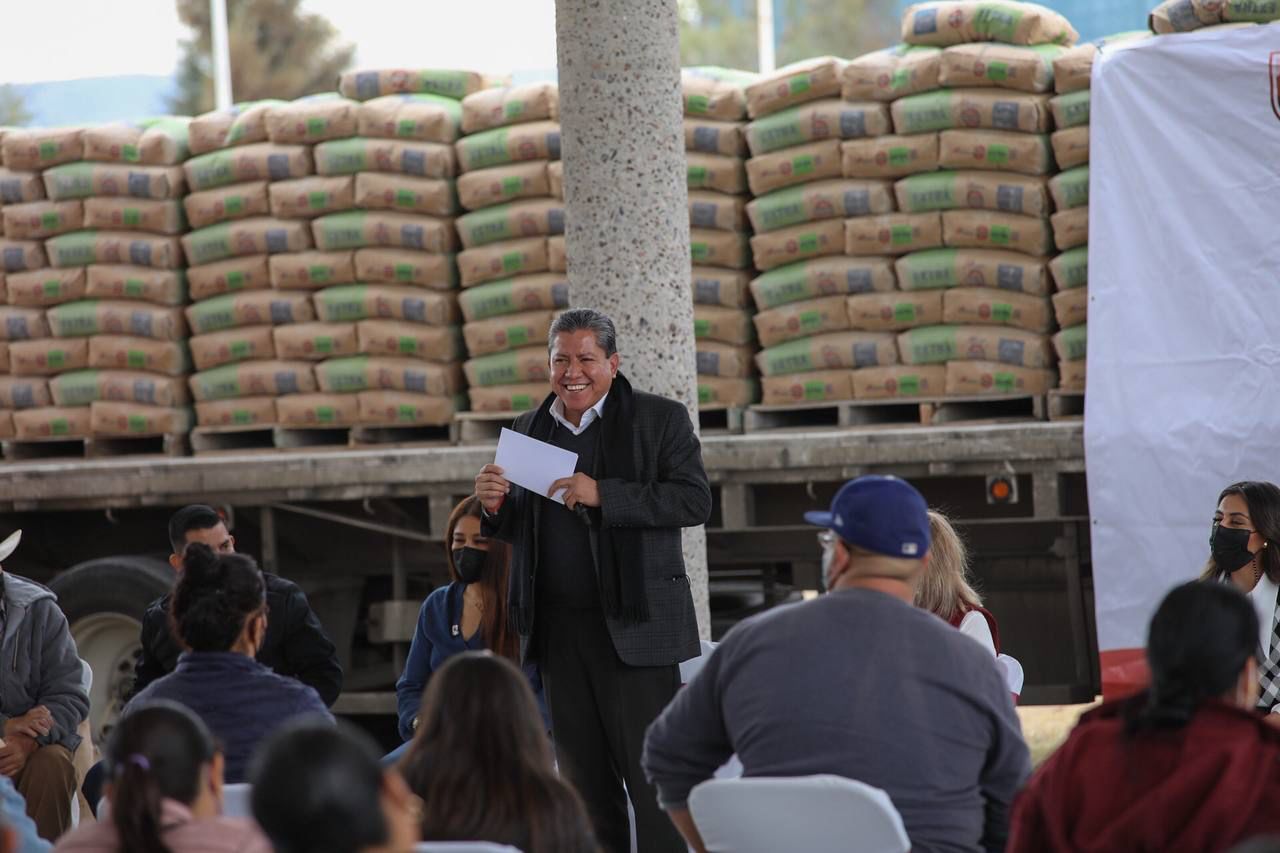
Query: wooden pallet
pixel 717 419
pixel 1066 405
pixel 917 411
pixel 363 435
pixel 232 439
pixel 95 447
pixel 481 427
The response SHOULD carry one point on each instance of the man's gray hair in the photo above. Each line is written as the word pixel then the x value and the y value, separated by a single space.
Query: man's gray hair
pixel 586 320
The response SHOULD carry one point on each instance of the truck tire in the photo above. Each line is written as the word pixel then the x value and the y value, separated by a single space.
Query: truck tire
pixel 104 601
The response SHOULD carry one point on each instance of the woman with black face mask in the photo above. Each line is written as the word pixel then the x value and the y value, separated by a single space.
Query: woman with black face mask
pixel 1243 549
pixel 468 614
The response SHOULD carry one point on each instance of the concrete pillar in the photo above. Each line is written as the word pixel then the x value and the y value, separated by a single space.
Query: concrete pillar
pixel 627 200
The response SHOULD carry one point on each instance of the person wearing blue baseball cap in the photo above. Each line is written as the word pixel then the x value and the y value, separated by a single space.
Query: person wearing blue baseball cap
pixel 857 683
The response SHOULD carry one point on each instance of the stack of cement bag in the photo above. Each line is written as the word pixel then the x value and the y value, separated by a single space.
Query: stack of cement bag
pixel 513 265
pixel 1181 16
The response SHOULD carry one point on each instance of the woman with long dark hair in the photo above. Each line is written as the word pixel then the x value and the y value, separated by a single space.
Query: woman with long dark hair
pixel 164 784
pixel 1185 765
pixel 482 763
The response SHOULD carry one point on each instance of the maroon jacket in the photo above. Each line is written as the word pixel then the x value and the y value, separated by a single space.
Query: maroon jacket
pixel 1207 786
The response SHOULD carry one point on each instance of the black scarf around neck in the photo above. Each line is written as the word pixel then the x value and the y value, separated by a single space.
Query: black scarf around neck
pixel 620 559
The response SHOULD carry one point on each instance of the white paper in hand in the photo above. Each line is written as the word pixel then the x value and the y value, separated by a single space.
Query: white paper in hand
pixel 533 464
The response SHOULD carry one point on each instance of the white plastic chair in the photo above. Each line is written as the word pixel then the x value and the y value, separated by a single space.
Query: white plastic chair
pixel 811 813
pixel 237 800
pixel 1013 674
pixel 691 667
pixel 462 847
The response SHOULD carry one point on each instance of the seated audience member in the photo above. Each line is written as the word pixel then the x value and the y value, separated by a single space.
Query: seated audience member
pixel 856 683
pixel 482 764
pixel 164 786
pixel 17 830
pixel 219 615
pixel 1186 765
pixel 944 588
pixel 319 788
pixel 42 699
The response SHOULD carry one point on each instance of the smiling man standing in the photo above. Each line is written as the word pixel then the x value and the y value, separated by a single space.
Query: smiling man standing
pixel 599 592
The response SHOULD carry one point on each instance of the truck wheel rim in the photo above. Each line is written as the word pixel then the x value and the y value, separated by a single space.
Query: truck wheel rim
pixel 109 643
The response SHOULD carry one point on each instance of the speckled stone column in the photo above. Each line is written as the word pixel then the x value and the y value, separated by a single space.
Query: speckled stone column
pixel 627 200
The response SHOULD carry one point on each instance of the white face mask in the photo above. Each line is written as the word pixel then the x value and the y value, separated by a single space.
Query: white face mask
pixel 828 557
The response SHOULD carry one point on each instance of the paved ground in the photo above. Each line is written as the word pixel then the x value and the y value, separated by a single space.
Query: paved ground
pixel 1046 726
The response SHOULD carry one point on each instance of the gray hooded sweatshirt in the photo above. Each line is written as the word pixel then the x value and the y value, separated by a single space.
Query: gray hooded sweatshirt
pixel 38 661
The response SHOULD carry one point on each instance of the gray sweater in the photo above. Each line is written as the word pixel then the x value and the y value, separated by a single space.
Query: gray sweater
pixel 858 684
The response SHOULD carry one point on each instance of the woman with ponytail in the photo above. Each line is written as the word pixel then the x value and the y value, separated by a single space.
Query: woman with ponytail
pixel 218 614
pixel 165 788
pixel 1188 764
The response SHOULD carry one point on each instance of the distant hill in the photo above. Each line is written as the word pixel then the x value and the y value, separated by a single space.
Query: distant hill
pixel 95 100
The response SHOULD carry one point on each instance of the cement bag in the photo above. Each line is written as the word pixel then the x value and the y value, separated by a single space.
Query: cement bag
pixel 24 393
pixel 729 361
pixel 53 422
pixel 505 145
pixel 19 255
pixel 716 172
pixel 889 156
pixel 1180 16
pixel 97 317
pixel 311 120
pixel 307 198
pixel 1071 268
pixel 154 216
pixel 1072 376
pixel 975 378
pixel 4 357
pixel 110 418
pixel 42 288
pixel 529 364
pixel 892 73
pixel 831 118
pixel 847 350
pixel 241 124
pixel 154 142
pixel 717 211
pixel 492 108
pixel 364 373
pixel 718 323
pixel 1024 69
pixel 405 266
pixel 820 200
pixel 502 260
pixel 899 382
pixel 798 165
pixel 988 229
pixel 712 286
pixel 708 136
pixel 20 324
pixel 534 218
pixel 822 277
pixel 801 320
pixel 1071 307
pixel 1005 344
pixel 311 270
pixel 995 150
pixel 380 191
pixel 17 187
pixel 238 201
pixel 352 302
pixel 349 156
pixel 41 148
pixel 315 341
pixel 425 118
pixel 1070 188
pixel 259 235
pixel 6 424
pixel 793 84
pixel 1071 227
pixel 358 229
pixel 503 184
pixel 508 398
pixel 411 340
pixel 229 276
pixel 798 243
pixel 1071 147
pixel 727 391
pixel 941 268
pixel 242 412
pixel 261 161
pixel 124 352
pixel 715 93
pixel 317 410
pixel 231 345
pixel 892 233
pixel 48 356
pixel 894 312
pixel 114 247
pixel 400 408
pixel 249 308
pixel 38 220
pixel 989 306
pixel 821 386
pixel 1071 109
pixel 545 292
pixel 448 83
pixel 1073 70
pixel 82 387
pixel 992 109
pixel 508 332
pixel 945 22
pixel 557 256
pixel 948 190
pixel 253 379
